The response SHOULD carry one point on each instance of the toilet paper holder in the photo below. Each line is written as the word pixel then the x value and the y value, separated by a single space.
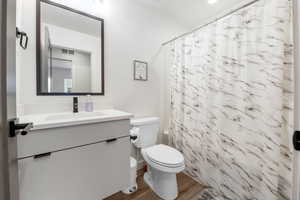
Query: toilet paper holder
pixel 133 137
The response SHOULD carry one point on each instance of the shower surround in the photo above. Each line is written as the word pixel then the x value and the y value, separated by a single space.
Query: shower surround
pixel 232 103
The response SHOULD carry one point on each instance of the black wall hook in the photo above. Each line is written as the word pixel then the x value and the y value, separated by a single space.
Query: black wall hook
pixel 23 38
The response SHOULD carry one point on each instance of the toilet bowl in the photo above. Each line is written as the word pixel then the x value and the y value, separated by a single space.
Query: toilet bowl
pixel 163 161
pixel 163 164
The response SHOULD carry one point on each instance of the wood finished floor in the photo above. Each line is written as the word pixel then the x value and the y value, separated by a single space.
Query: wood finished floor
pixel 188 190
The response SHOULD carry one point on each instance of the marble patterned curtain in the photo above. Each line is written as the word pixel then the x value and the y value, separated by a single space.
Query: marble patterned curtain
pixel 231 86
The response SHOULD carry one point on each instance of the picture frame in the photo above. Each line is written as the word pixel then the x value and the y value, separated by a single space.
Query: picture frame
pixel 140 70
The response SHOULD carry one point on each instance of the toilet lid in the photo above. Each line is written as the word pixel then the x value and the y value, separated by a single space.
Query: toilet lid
pixel 165 155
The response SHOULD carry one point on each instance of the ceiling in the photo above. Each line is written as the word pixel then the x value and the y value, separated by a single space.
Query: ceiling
pixel 53 15
pixel 191 13
pixel 187 13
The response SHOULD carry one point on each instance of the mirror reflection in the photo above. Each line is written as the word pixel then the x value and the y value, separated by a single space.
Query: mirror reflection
pixel 71 52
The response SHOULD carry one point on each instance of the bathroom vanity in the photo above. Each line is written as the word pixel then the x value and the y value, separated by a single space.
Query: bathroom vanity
pixel 74 156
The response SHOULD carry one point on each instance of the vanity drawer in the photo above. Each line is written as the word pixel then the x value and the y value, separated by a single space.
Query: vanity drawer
pixel 55 139
pixel 90 172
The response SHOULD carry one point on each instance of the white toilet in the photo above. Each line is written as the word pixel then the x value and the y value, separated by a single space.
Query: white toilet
pixel 163 162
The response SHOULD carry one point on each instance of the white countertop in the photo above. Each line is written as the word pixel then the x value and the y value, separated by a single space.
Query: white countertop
pixel 55 120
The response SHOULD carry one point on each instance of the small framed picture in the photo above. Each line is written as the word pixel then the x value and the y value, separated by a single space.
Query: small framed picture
pixel 140 71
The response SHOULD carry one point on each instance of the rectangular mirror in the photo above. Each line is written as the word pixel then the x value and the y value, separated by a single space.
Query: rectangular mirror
pixel 70 51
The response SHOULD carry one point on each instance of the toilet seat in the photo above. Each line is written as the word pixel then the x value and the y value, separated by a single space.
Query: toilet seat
pixel 165 156
pixel 163 163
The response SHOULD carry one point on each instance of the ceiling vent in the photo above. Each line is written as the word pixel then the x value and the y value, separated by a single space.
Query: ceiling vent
pixel 67 51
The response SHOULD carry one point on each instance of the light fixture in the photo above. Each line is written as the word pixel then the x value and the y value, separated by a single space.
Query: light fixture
pixel 212 1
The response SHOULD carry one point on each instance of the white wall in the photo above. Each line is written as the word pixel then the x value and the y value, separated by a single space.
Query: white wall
pixel 70 39
pixel 82 70
pixel 132 31
pixel 79 68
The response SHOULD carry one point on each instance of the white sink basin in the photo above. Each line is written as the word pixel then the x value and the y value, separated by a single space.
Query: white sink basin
pixel 72 116
pixel 55 120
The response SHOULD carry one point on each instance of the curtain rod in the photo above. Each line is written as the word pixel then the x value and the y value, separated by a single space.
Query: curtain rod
pixel 210 22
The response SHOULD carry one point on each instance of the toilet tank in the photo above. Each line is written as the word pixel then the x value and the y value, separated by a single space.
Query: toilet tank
pixel 148 131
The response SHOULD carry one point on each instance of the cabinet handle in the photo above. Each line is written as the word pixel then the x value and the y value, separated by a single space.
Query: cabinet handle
pixel 111 140
pixel 42 155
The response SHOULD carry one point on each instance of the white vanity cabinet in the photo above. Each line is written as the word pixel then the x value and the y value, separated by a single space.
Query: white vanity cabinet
pixel 84 162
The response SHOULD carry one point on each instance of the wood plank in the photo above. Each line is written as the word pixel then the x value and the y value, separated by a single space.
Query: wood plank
pixel 191 192
pixel 188 189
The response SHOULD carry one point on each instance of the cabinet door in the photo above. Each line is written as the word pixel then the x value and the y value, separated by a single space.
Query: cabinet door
pixel 85 173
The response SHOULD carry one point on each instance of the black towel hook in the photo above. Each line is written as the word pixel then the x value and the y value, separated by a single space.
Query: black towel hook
pixel 22 35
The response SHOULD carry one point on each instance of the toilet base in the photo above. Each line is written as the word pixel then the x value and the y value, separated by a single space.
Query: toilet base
pixel 163 184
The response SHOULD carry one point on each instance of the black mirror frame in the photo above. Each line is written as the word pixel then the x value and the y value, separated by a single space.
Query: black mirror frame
pixel 38 51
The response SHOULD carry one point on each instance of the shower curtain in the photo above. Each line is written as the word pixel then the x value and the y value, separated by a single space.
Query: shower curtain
pixel 231 85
